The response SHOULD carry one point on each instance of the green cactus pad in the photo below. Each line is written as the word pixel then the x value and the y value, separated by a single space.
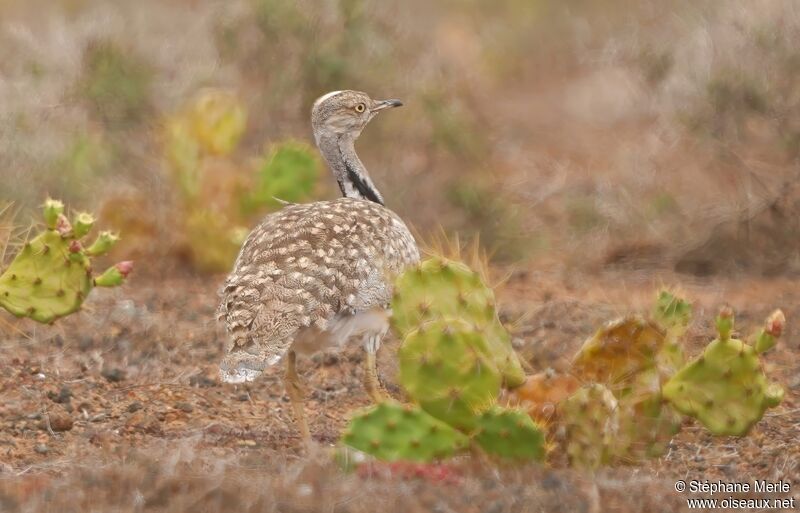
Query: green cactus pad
pixel 51 275
pixel 446 368
pixel 725 387
pixel 288 173
pixel 672 313
pixel 438 288
pixel 591 424
pixel 510 434
pixel 390 431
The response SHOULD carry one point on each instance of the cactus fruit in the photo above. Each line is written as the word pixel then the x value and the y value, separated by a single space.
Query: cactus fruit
pixel 591 424
pixel 768 336
pixel 511 434
pixel 391 431
pixel 52 209
pixel 445 367
pixel 619 351
pixel 51 276
pixel 439 287
pixel 541 393
pixel 725 387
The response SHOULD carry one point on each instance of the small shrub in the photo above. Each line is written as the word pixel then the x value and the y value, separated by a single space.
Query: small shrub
pixel 115 83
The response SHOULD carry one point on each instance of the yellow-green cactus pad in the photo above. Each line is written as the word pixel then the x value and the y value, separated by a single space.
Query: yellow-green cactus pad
pixel 445 366
pixel 391 431
pixel 510 434
pixel 438 288
pixel 51 276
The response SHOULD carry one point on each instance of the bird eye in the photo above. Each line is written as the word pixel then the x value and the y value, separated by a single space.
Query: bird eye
pixel 360 107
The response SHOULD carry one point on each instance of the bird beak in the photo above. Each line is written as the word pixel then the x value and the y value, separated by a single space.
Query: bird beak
pixel 386 104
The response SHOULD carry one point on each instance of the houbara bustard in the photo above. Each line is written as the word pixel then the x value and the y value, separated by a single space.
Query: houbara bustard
pixel 315 275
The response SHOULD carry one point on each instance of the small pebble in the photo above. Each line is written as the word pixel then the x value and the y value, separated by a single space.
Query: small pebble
pixel 135 406
pixel 114 375
pixel 243 397
pixel 184 407
pixel 202 381
pixel 41 448
pixel 143 421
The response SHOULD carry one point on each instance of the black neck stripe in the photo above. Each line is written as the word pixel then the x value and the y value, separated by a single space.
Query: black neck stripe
pixel 361 186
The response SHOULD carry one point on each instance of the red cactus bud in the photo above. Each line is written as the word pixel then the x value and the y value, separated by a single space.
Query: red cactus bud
pixel 124 267
pixel 775 323
pixel 75 247
pixel 63 226
pixel 726 312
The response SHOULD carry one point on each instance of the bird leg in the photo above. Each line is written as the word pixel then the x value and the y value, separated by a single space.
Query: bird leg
pixel 371 382
pixel 295 390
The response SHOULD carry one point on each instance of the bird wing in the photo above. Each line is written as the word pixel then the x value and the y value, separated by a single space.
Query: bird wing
pixel 307 263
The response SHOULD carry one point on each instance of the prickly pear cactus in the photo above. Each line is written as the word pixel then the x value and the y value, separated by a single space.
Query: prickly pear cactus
pixel 51 276
pixel 590 421
pixel 510 434
pixel 289 173
pixel 218 120
pixel 674 315
pixel 646 422
pixel 541 393
pixel 672 312
pixel 391 431
pixel 618 352
pixel 445 366
pixel 725 388
pixel 438 288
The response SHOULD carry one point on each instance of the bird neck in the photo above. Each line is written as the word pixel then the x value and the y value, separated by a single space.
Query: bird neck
pixel 340 153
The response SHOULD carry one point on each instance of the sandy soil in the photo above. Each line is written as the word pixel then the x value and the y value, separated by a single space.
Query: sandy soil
pixel 119 409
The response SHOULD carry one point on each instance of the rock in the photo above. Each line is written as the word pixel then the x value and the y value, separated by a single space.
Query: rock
pixel 114 375
pixel 144 422
pixel 202 381
pixel 59 421
pixel 134 407
pixel 41 449
pixel 184 407
pixel 64 396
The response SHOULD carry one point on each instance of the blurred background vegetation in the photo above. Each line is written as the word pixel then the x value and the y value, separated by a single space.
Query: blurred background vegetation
pixel 581 134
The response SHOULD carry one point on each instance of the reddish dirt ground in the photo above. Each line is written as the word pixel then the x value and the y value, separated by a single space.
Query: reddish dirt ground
pixel 120 409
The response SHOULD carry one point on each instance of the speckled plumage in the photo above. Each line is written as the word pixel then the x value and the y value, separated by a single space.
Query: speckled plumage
pixel 306 272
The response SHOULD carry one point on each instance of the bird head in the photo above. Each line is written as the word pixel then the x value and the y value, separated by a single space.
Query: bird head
pixel 345 113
